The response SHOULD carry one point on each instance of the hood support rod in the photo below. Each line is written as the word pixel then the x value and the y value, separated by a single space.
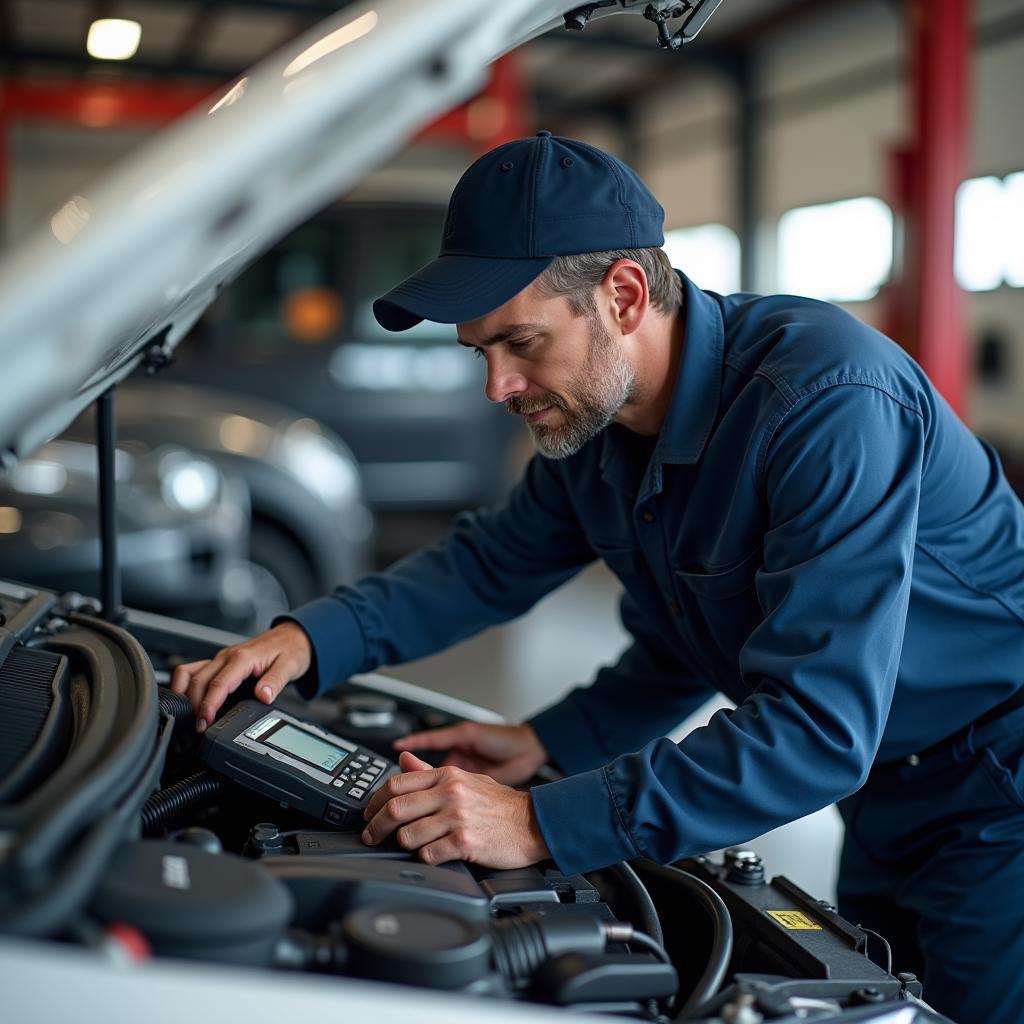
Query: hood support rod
pixel 106 450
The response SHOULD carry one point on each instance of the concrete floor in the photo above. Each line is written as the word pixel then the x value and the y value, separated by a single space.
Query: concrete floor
pixel 521 667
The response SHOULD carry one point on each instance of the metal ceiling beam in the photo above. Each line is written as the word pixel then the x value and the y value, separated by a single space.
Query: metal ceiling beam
pixel 306 13
pixel 127 69
pixel 848 84
pixel 314 9
pixel 197 30
pixel 722 56
pixel 799 11
pixel 723 50
pixel 727 56
pixel 717 57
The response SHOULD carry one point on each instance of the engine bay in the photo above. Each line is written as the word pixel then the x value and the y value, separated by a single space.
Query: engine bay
pixel 122 827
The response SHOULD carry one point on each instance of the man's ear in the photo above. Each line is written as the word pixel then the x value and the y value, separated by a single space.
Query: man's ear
pixel 625 284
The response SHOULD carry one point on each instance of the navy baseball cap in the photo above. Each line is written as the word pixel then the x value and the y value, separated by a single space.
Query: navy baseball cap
pixel 512 212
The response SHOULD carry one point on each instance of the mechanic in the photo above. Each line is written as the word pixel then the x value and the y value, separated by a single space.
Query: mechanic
pixel 798 520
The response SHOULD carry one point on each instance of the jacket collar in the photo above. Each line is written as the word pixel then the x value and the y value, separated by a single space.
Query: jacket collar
pixel 695 398
pixel 694 405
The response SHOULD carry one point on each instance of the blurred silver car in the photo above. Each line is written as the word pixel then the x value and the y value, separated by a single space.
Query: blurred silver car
pixel 183 527
pixel 310 527
pixel 410 406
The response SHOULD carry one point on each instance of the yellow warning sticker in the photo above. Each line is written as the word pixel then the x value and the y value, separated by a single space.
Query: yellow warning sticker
pixel 794 920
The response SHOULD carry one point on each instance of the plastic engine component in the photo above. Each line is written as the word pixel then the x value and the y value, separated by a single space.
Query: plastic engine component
pixel 195 904
pixel 415 946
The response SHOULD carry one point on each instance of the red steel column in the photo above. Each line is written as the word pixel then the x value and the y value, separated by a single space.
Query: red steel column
pixel 5 151
pixel 500 113
pixel 940 52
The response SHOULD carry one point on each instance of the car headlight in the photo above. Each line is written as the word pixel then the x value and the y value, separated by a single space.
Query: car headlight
pixel 39 476
pixel 319 466
pixel 188 483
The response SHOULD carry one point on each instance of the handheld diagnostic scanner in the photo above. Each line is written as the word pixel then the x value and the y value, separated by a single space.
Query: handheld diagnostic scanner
pixel 294 762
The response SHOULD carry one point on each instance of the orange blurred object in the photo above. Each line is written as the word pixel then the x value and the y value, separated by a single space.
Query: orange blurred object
pixel 312 315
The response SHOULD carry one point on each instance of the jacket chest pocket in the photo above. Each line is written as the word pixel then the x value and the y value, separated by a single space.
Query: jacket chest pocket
pixel 726 608
pixel 721 586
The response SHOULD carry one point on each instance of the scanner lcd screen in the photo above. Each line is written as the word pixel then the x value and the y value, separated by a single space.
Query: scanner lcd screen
pixel 309 748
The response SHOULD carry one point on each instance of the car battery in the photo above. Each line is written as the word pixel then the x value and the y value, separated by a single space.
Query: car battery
pixel 781 934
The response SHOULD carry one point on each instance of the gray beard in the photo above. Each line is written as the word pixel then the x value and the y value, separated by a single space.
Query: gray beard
pixel 591 401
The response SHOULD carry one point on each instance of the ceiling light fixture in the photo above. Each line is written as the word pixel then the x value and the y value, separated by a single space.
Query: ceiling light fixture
pixel 113 39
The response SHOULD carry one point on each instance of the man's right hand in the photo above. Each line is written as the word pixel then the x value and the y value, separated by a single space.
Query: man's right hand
pixel 276 657
pixel 509 754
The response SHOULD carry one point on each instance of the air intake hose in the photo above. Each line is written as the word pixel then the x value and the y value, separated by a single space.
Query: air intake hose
pixel 197 790
pixel 177 705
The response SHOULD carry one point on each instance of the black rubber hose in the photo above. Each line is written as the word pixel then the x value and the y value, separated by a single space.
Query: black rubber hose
pixel 521 944
pixel 721 951
pixel 652 947
pixel 111 749
pixel 519 947
pixel 68 892
pixel 650 923
pixel 196 790
pixel 177 705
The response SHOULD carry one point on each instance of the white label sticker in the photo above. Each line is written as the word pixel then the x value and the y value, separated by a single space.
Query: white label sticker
pixel 176 873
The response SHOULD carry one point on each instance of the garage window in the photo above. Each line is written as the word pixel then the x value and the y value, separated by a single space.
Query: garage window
pixel 708 254
pixel 841 252
pixel 989 226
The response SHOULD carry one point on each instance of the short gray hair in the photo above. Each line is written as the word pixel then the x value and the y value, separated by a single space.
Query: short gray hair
pixel 577 276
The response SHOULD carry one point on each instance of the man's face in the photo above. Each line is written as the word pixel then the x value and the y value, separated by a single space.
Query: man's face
pixel 564 374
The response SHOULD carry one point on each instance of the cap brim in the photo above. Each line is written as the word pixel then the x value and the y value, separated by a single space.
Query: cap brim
pixel 454 289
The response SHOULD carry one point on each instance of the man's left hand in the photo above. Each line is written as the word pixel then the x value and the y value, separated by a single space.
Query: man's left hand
pixel 451 814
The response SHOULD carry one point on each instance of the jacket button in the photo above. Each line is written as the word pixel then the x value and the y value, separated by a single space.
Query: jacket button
pixel 673 607
pixel 913 760
pixel 649 516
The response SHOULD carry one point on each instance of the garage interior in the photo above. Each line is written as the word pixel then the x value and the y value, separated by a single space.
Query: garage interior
pixel 865 152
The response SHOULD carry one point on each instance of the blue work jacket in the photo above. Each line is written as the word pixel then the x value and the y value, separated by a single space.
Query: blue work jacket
pixel 813 533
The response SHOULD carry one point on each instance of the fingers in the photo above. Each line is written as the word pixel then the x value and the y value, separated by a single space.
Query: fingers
pixel 192 680
pixel 211 685
pixel 207 683
pixel 448 814
pixel 399 785
pixel 414 834
pixel 433 739
pixel 448 847
pixel 275 657
pixel 273 681
pixel 411 763
pixel 400 810
pixel 487 746
pixel 183 675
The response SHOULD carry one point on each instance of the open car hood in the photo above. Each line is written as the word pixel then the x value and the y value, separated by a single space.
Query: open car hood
pixel 136 259
pixel 133 262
